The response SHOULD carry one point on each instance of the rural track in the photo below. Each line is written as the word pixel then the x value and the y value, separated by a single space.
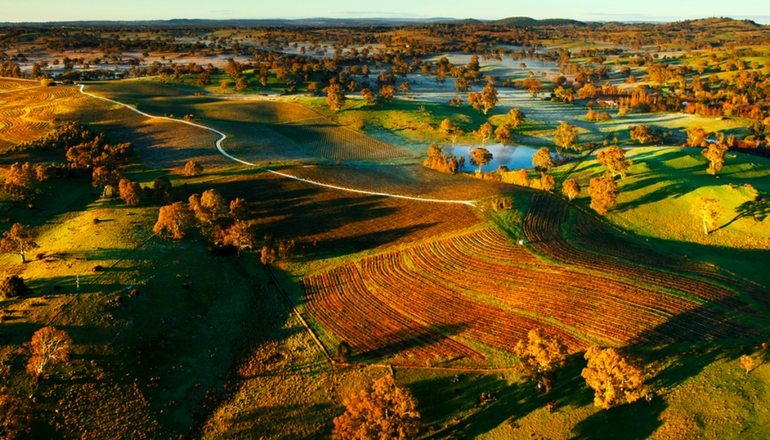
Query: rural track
pixel 222 137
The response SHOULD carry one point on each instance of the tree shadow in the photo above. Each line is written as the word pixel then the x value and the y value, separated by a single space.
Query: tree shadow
pixel 408 339
pixel 757 209
pixel 630 421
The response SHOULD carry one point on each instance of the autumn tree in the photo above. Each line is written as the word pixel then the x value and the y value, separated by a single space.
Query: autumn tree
pixel 368 96
pixel 192 168
pixel 130 191
pixel 462 84
pixel 541 354
pixel 488 98
pixel 613 376
pixel 213 202
pixel 335 97
pixel 19 240
pixel 20 182
pixel 480 156
pixel 533 86
pixel 696 137
pixel 105 177
pixel 174 219
pixel 241 84
pixel 614 159
pixel 239 209
pixel 387 92
pixel 708 211
pixel 715 154
pixel 547 182
pixel 14 416
pixel 646 134
pixel 161 190
pixel 566 136
pixel 503 134
pixel 386 411
pixel 515 117
pixel 542 159
pixel 241 235
pixel 404 87
pixel 604 193
pixel 49 346
pixel 570 188
pixel 474 100
pixel 748 363
pixel 484 132
pixel 446 126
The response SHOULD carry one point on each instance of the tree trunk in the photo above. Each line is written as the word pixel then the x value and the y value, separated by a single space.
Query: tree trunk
pixel 705 227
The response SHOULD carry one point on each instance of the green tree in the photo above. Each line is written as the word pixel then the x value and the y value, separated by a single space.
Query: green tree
pixel 386 411
pixel 613 376
pixel 18 240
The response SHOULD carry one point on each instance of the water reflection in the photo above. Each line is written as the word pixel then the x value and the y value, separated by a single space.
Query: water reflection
pixel 511 156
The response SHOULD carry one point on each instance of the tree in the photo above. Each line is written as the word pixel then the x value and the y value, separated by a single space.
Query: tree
pixel 192 168
pixel 604 193
pixel 14 419
pixel 462 84
pixel 446 126
pixel 241 235
pixel 162 189
pixel 480 156
pixel 709 211
pixel 715 154
pixel 488 97
pixel 541 354
pixel 542 159
pixel 474 100
pixel 613 376
pixel 335 98
pixel 566 136
pixel 515 117
pixel 748 363
pixel 368 95
pixel 387 92
pixel 570 188
pixel 503 133
pixel 239 209
pixel 20 182
pixel 175 219
pixel 614 159
pixel 547 182
pixel 12 287
pixel 533 86
pixel 130 191
pixel 646 134
pixel 696 137
pixel 105 177
pixel 241 84
pixel 387 411
pixel 484 132
pixel 213 202
pixel 49 346
pixel 19 240
pixel 404 87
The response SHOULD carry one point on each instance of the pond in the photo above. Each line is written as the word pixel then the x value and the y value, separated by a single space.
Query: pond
pixel 511 156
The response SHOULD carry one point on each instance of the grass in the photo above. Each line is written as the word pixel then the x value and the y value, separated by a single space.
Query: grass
pixel 660 190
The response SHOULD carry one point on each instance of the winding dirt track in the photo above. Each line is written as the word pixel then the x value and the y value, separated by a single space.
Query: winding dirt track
pixel 223 136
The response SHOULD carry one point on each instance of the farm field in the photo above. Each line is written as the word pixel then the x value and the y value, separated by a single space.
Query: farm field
pixel 255 222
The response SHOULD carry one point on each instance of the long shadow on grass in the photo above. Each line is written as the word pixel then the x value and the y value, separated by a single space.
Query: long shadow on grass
pixel 404 340
pixel 630 421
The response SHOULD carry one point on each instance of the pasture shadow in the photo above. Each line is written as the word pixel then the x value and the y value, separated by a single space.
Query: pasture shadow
pixel 759 210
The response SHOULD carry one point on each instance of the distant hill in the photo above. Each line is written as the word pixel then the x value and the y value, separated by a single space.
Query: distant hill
pixel 277 22
pixel 531 22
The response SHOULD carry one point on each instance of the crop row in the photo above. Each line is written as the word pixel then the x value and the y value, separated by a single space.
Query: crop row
pixel 336 142
pixel 341 302
pixel 542 225
pixel 605 307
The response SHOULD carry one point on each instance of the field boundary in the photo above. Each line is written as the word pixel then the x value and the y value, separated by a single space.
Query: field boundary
pixel 218 144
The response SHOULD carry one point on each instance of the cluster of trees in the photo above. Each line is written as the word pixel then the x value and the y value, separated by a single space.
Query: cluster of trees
pixel 439 161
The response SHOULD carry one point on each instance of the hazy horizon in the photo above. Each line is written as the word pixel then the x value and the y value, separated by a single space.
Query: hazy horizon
pixel 148 10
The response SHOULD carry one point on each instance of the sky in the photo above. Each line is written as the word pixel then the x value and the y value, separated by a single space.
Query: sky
pixel 584 10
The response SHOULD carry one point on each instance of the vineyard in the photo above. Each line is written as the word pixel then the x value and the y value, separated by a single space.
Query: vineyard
pixel 29 114
pixel 542 227
pixel 420 303
pixel 336 142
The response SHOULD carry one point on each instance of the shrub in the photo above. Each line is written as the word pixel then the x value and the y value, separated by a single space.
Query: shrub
pixel 12 287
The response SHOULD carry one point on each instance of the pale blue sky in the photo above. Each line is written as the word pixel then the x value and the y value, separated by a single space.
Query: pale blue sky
pixel 587 10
